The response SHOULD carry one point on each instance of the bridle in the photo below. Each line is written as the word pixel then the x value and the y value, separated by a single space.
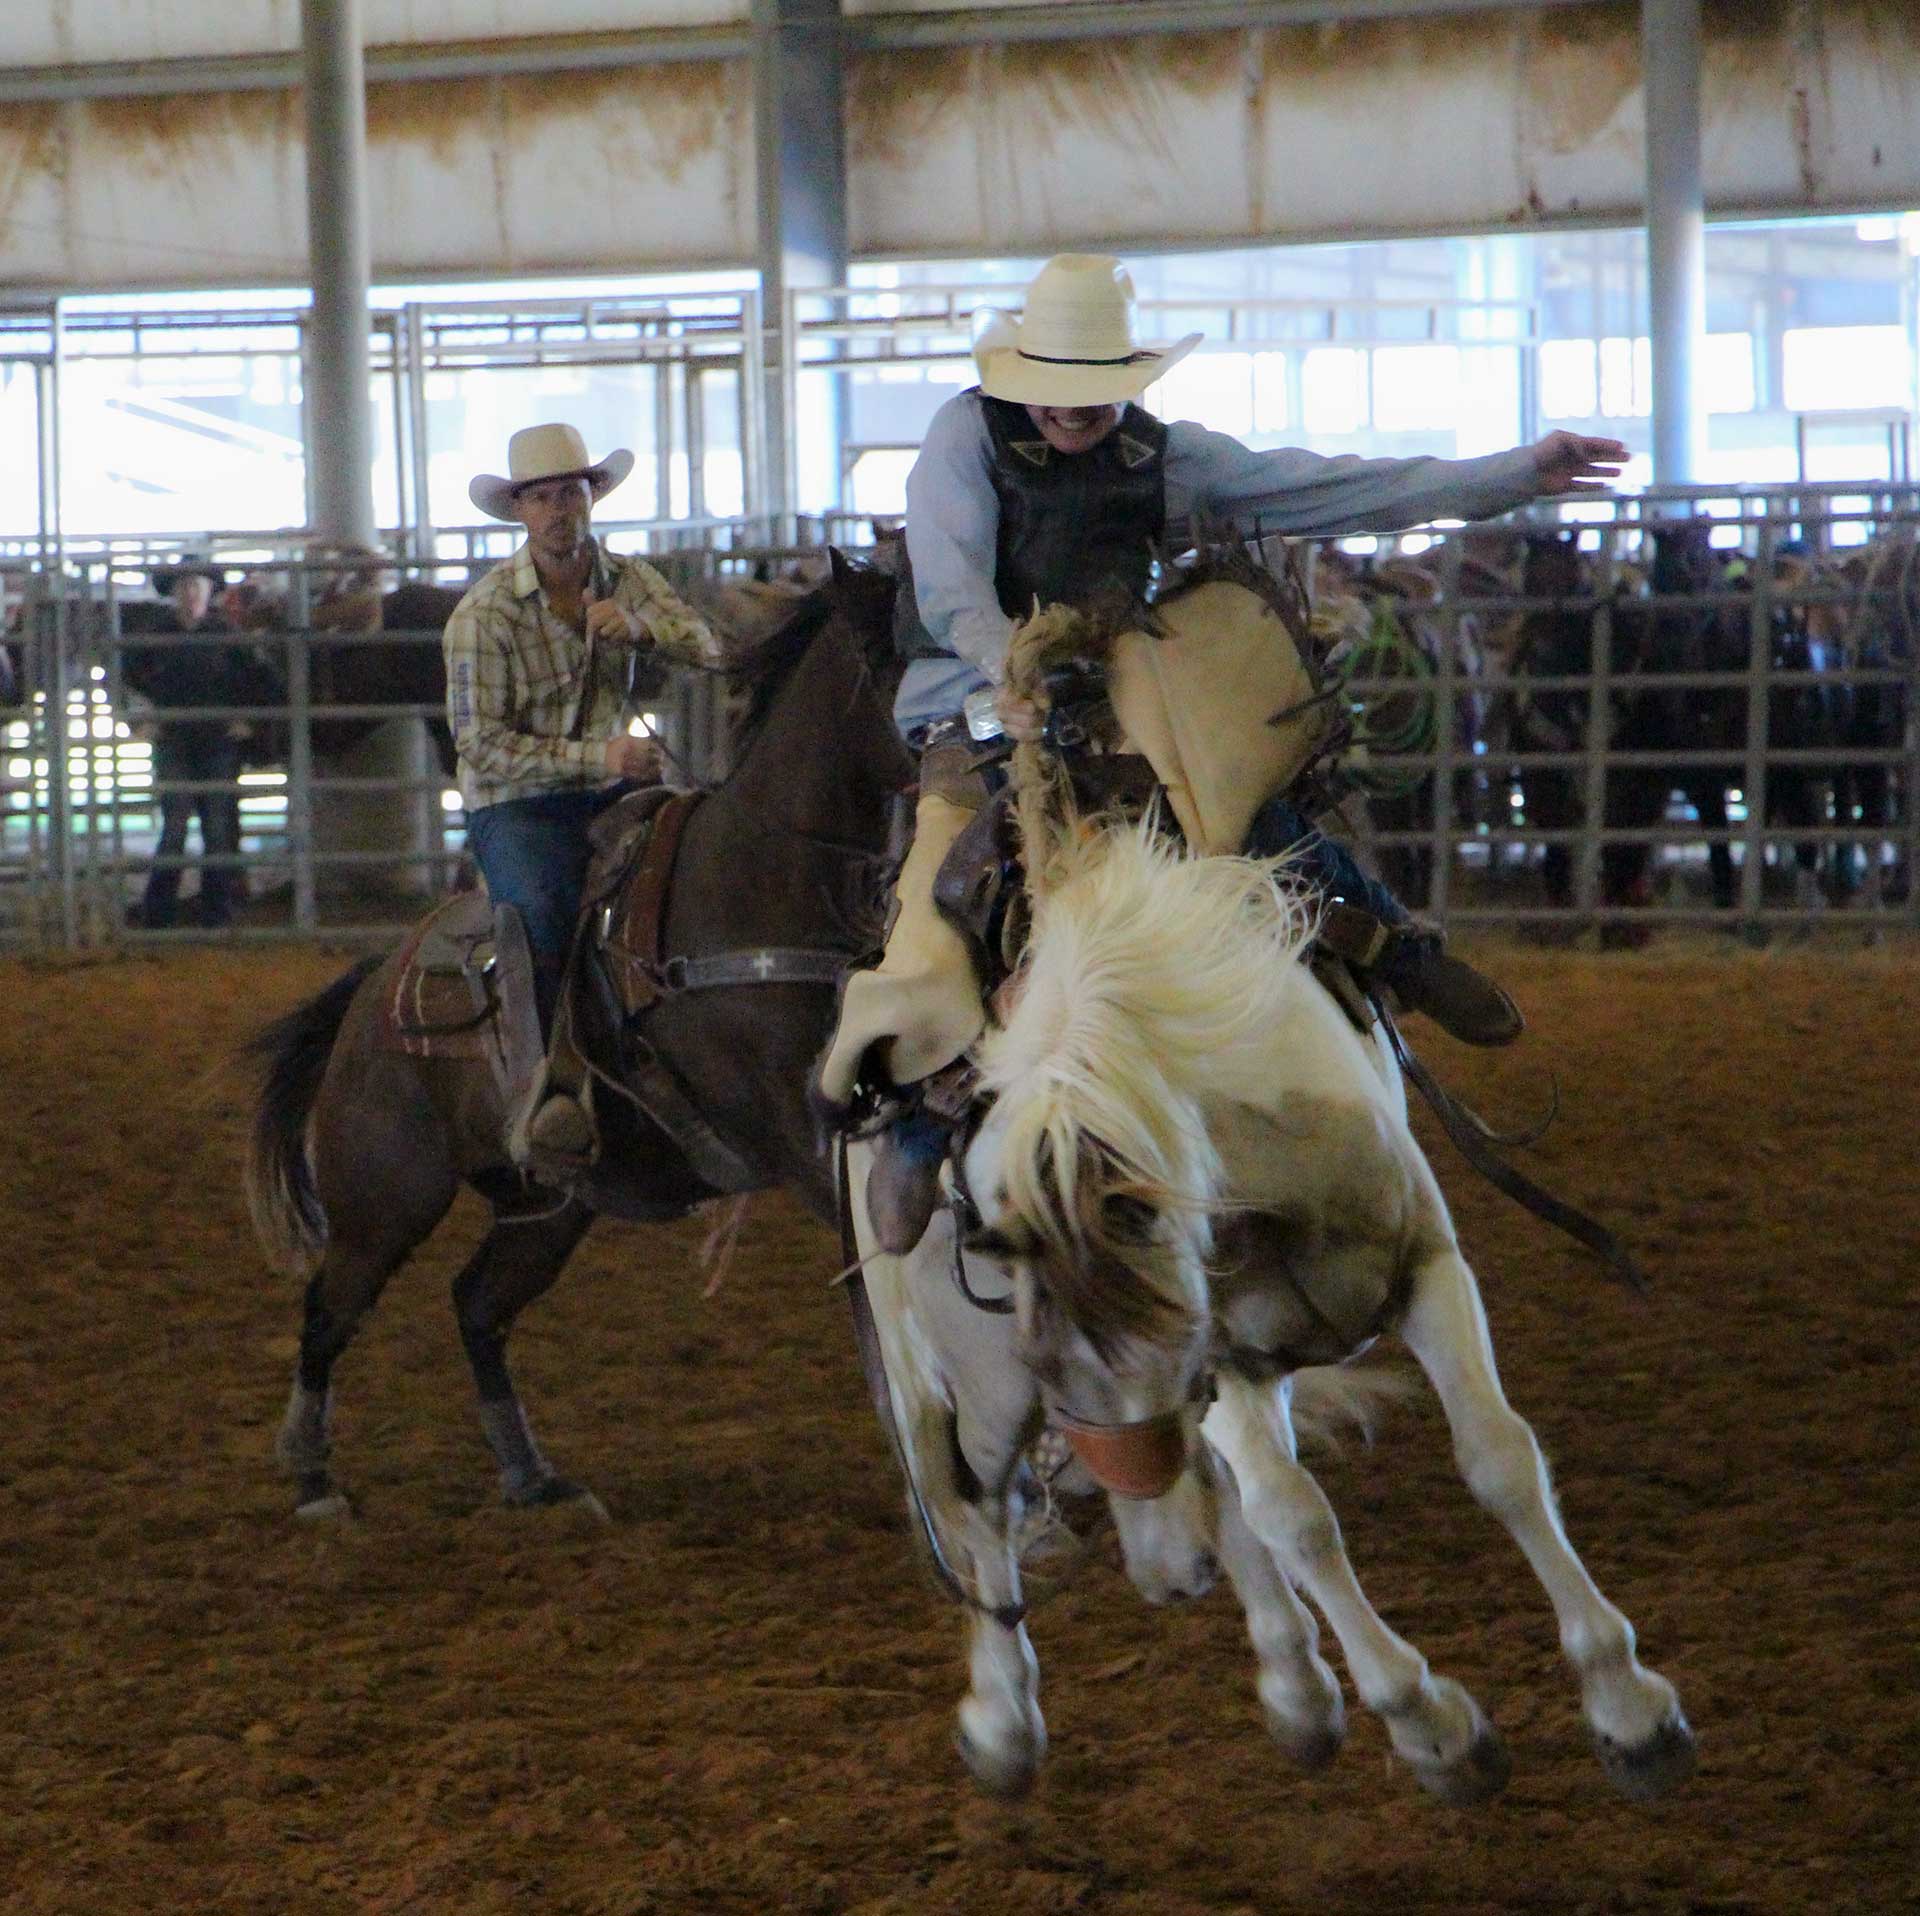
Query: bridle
pixel 1141 1457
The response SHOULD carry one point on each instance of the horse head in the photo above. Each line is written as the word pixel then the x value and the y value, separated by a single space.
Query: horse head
pixel 1110 1294
pixel 1553 567
pixel 1093 1170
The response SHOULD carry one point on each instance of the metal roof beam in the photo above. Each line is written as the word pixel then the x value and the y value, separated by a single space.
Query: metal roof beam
pixel 453 60
pixel 1122 19
pixel 586 52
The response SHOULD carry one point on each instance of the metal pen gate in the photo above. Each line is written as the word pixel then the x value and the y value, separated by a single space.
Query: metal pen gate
pixel 77 831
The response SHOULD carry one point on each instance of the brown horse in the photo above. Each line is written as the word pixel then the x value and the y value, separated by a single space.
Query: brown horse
pixel 357 1152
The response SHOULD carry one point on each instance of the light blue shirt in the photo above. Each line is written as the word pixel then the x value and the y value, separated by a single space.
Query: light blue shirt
pixel 953 518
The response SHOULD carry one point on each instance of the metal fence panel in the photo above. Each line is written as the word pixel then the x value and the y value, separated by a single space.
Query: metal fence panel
pixel 1458 819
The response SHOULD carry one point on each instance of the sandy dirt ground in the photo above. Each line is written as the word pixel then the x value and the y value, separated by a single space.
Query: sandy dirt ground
pixel 738 1697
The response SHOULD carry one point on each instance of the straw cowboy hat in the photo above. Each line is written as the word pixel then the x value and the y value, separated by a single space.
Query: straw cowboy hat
pixel 546 452
pixel 1074 343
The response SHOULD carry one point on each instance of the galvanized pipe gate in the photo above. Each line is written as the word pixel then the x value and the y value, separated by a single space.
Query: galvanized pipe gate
pixel 79 804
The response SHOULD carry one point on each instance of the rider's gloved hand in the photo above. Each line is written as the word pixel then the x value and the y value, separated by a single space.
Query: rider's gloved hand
pixel 1024 719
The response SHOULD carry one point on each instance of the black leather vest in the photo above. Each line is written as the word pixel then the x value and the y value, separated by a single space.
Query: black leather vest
pixel 1070 523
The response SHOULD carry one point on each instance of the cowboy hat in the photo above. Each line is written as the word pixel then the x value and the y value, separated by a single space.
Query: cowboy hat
pixel 190 565
pixel 546 452
pixel 1074 343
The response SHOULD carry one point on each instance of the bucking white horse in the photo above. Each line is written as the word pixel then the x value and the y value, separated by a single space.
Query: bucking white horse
pixel 1196 1177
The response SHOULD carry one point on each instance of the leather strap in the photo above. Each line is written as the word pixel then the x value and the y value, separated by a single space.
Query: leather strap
pixel 1352 933
pixel 652 1083
pixel 760 965
pixel 637 923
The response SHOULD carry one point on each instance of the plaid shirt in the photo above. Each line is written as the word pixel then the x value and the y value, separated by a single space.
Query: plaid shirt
pixel 531 700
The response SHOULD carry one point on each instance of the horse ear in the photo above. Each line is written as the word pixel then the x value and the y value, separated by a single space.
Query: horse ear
pixel 846 569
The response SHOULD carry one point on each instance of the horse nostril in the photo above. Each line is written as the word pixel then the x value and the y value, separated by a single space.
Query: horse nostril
pixel 1206 1569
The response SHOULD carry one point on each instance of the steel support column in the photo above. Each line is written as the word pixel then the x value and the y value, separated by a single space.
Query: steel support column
pixel 800 161
pixel 364 813
pixel 340 451
pixel 1676 233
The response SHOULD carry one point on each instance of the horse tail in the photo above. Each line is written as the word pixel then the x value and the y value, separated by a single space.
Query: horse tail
pixel 1334 1402
pixel 287 1214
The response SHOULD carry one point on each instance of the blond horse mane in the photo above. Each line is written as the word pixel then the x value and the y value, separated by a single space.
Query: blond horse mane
pixel 1148 972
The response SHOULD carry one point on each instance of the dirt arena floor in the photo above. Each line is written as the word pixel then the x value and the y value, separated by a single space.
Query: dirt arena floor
pixel 738 1697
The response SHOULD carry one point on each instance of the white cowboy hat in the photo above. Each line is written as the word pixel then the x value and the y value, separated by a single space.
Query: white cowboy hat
pixel 1074 344
pixel 546 452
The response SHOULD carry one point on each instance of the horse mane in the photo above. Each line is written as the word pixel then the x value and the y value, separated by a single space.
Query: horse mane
pixel 758 641
pixel 1147 973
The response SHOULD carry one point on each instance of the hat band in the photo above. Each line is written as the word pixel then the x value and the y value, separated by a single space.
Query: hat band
pixel 1050 359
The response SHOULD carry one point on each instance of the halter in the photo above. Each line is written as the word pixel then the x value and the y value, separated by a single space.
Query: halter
pixel 1140 1458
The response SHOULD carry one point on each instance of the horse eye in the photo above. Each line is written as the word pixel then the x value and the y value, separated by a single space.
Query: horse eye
pixel 1131 1219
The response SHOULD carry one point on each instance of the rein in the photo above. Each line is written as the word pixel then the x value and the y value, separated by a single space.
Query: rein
pixel 965 1213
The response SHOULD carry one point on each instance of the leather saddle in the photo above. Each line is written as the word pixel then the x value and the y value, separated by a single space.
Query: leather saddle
pixel 451 988
pixel 463 985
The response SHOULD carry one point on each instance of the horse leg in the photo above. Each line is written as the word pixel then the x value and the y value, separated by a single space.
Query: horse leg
pixel 1001 1735
pixel 366 1245
pixel 518 1260
pixel 1168 1543
pixel 1633 1713
pixel 1436 1727
pixel 1299 1693
pixel 962 1414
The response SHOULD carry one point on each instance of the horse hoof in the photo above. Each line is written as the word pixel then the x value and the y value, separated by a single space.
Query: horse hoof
pixel 1660 1764
pixel 329 1506
pixel 1477 1777
pixel 558 1493
pixel 1005 1775
pixel 1310 1749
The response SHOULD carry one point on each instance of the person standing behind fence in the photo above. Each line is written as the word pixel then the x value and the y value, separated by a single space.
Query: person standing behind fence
pixel 203 752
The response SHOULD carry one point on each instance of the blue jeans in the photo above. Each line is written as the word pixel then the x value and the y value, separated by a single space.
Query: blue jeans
pixel 197 754
pixel 1325 862
pixel 533 853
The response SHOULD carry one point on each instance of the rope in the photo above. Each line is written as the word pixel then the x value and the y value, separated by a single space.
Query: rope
pixel 1389 723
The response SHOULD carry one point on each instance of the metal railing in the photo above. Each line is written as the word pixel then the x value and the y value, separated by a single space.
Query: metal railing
pixel 342 819
pixel 1474 850
pixel 337 845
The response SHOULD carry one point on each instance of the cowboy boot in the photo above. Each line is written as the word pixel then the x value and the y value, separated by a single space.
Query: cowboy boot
pixel 557 1133
pixel 1410 961
pixel 903 1181
pixel 1463 1002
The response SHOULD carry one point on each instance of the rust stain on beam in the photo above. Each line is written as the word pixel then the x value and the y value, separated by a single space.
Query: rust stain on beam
pixel 896 103
pixel 648 121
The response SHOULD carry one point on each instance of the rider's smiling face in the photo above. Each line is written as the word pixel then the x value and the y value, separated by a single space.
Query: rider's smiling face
pixel 1075 428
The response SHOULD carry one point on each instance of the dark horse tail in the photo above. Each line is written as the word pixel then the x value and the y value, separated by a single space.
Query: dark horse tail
pixel 287 1215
